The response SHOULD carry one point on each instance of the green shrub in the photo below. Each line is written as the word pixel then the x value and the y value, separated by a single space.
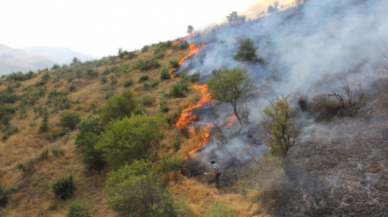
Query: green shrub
pixel 246 52
pixel 147 100
pixel 103 79
pixel 27 167
pixel 59 99
pixel 78 209
pixel 159 55
pixel 219 209
pixel 106 71
pixel 72 87
pixel 178 88
pixel 44 124
pixel 145 65
pixel 118 107
pixel 143 78
pixel 109 95
pixel 174 63
pixel 57 151
pixel 172 162
pixel 22 112
pixel 183 45
pixel 19 76
pixel 113 80
pixel 5 194
pixel 177 144
pixel 146 86
pixel 69 120
pixel 194 77
pixel 63 188
pixel 130 138
pixel 89 134
pixel 137 190
pixel 164 74
pixel 163 107
pixel 8 131
pixel 128 83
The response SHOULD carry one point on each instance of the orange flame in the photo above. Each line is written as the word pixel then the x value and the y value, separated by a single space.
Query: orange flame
pixel 187 113
pixel 184 38
pixel 193 50
pixel 231 120
pixel 203 141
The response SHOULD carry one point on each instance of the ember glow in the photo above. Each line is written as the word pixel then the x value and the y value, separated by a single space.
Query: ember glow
pixel 203 141
pixel 184 38
pixel 231 120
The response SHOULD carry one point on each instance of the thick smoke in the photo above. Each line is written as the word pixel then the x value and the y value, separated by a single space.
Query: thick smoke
pixel 303 47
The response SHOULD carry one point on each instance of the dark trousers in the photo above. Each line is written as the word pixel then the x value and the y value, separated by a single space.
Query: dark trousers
pixel 218 180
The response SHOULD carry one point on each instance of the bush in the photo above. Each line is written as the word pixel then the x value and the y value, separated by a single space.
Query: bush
pixel 69 120
pixel 57 151
pixel 145 48
pixel 219 209
pixel 137 190
pixel 118 107
pixel 63 188
pixel 174 63
pixel 78 209
pixel 143 78
pixel 128 83
pixel 147 101
pixel 164 75
pixel 163 107
pixel 145 86
pixel 145 65
pixel 246 51
pixel 159 55
pixel 59 99
pixel 44 124
pixel 130 138
pixel 172 162
pixel 5 194
pixel 194 77
pixel 89 134
pixel 8 131
pixel 178 88
pixel 109 95
pixel 103 79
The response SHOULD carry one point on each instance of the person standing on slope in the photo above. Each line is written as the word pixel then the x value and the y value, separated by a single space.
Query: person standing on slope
pixel 217 172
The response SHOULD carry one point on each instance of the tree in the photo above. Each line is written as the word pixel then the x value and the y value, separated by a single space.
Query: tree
pixel 190 29
pixel 44 125
pixel 230 86
pixel 137 190
pixel 89 134
pixel 282 130
pixel 69 120
pixel 246 51
pixel 130 138
pixel 118 107
pixel 234 18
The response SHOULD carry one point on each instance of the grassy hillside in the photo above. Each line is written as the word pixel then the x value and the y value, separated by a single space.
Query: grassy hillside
pixel 98 80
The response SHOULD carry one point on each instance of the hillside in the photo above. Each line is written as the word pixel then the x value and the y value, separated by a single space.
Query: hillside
pixel 292 106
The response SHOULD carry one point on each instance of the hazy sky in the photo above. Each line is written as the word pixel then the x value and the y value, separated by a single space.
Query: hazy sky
pixel 100 27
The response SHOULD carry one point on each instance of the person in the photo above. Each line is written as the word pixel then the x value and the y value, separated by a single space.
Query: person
pixel 217 173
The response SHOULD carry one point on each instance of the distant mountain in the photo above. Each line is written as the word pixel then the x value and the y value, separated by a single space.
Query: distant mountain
pixel 14 60
pixel 61 55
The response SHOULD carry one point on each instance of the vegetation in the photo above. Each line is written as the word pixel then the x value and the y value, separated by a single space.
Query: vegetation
pixel 78 209
pixel 219 210
pixel 5 194
pixel 118 107
pixel 69 120
pixel 130 139
pixel 137 190
pixel 164 75
pixel 230 86
pixel 63 188
pixel 90 131
pixel 246 52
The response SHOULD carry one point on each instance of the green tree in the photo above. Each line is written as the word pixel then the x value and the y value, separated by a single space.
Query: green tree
pixel 137 190
pixel 130 138
pixel 118 107
pixel 281 128
pixel 230 86
pixel 69 120
pixel 89 134
pixel 246 51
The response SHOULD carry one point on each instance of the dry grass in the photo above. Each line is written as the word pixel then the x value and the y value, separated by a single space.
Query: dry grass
pixel 33 197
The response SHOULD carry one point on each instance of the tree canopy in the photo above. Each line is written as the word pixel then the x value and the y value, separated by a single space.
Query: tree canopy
pixel 230 86
pixel 130 138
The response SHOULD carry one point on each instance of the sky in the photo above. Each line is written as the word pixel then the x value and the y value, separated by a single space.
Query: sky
pixel 100 27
